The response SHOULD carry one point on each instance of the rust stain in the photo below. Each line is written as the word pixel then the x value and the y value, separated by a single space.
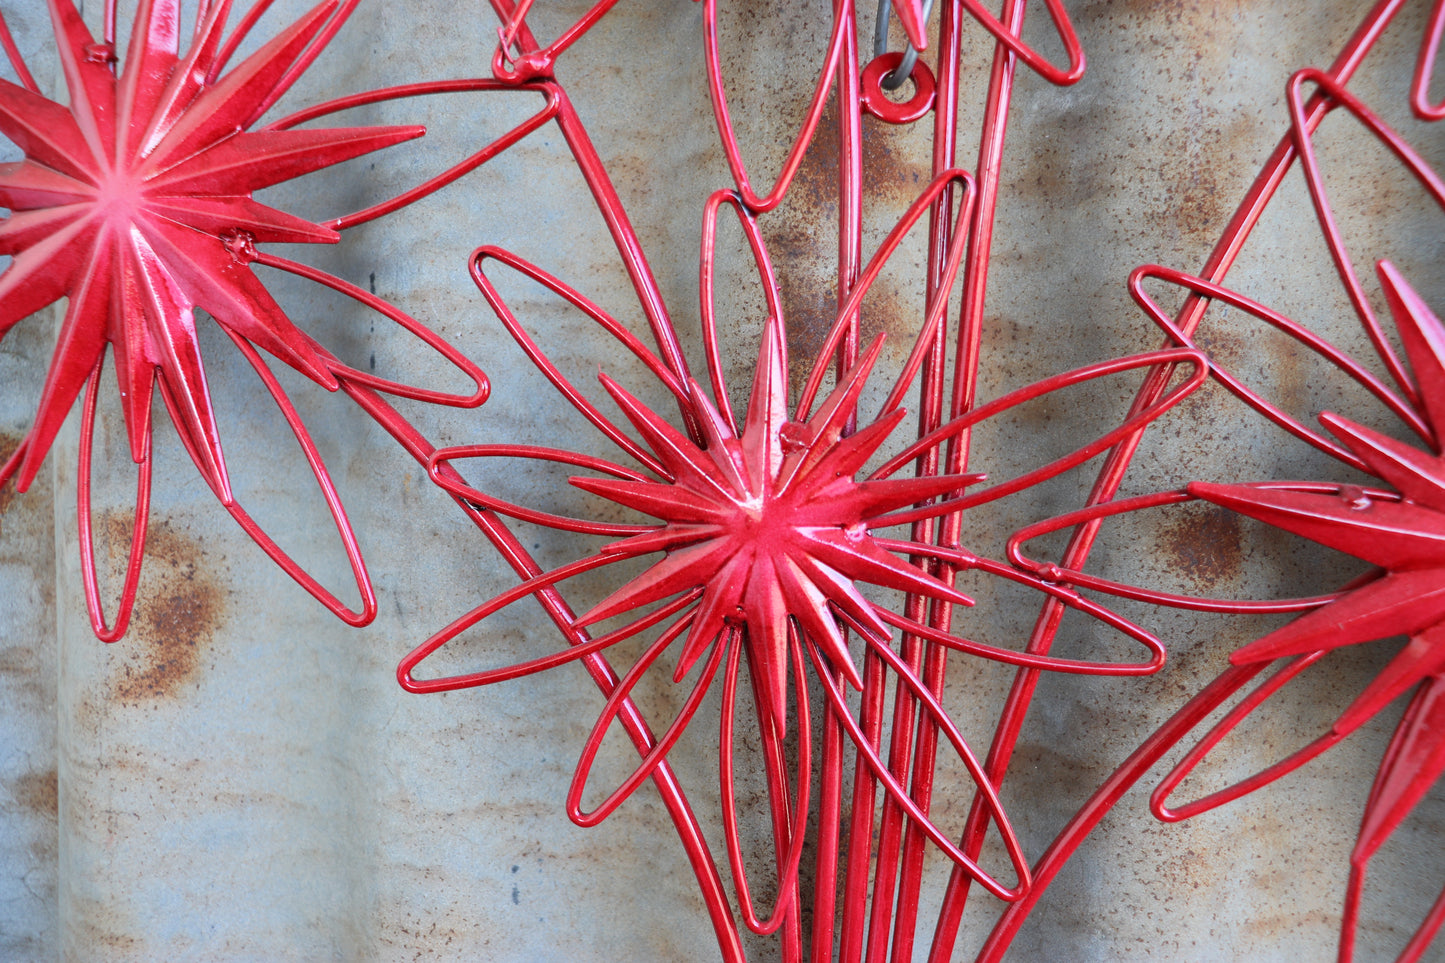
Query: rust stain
pixel 1274 927
pixel 98 926
pixel 1279 369
pixel 180 607
pixel 1201 207
pixel 893 178
pixel 8 444
pixel 892 171
pixel 805 256
pixel 17 662
pixel 1194 19
pixel 1202 162
pixel 38 792
pixel 1204 546
pixel 1204 176
pixel 1238 140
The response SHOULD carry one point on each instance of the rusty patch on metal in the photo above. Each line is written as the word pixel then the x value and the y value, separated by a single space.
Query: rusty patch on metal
pixel 1200 208
pixel 94 929
pixel 1204 546
pixel 181 607
pixel 1205 176
pixel 8 444
pixel 38 792
pixel 805 257
pixel 893 174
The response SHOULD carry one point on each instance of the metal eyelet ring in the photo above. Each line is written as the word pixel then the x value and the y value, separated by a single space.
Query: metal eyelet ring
pixel 876 100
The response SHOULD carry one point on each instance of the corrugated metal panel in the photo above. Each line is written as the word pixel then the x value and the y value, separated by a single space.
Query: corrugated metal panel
pixel 241 778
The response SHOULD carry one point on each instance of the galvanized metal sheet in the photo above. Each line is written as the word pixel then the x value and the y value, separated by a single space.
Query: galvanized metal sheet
pixel 241 777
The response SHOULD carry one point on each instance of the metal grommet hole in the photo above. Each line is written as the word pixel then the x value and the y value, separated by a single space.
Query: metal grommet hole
pixel 897 106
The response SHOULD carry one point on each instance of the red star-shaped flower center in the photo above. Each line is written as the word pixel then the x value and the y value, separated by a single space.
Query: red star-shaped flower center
pixel 135 202
pixel 769 521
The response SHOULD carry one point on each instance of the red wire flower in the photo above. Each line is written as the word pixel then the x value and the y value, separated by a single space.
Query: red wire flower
pixel 1401 530
pixel 1403 534
pixel 767 533
pixel 769 522
pixel 135 202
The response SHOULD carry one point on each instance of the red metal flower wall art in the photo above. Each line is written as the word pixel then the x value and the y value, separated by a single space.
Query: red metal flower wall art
pixel 766 535
pixel 769 538
pixel 135 202
pixel 708 484
pixel 1398 527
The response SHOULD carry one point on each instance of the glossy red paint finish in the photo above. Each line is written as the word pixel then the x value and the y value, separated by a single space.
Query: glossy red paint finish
pixel 1403 534
pixel 135 203
pixel 746 570
pixel 877 101
pixel 1398 527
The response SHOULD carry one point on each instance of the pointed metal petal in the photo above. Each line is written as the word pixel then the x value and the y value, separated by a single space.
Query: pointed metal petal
pixel 171 326
pixel 683 569
pixel 841 591
pixel 1419 475
pixel 1412 764
pixel 1401 602
pixel 826 425
pixel 27 185
pixel 80 345
pixel 25 229
pixel 688 463
pixel 914 21
pixel 1424 339
pixel 90 83
pixel 1422 657
pixel 135 364
pixel 808 603
pixel 767 408
pixel 187 79
pixel 863 561
pixel 154 50
pixel 223 215
pixel 671 503
pixel 869 500
pixel 848 456
pixel 227 289
pixel 250 161
pixel 46 132
pixel 44 273
pixel 664 539
pixel 829 421
pixel 767 641
pixel 722 442
pixel 719 603
pixel 1392 535
pixel 228 107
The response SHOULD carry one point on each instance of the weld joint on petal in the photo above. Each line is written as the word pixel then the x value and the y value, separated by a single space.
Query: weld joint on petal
pixel 241 245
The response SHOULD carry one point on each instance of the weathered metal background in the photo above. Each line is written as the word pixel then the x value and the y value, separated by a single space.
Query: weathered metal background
pixel 242 779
